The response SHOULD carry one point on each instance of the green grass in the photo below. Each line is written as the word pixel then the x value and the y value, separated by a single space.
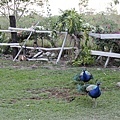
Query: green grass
pixel 26 93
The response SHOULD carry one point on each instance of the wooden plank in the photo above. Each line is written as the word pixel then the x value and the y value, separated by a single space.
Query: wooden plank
pixel 45 49
pixel 34 59
pixel 105 36
pixel 107 54
pixel 110 36
pixel 108 58
pixel 7 31
pixel 39 53
pixel 24 43
pixel 96 35
pixel 21 29
pixel 62 48
pixel 33 30
pixel 9 44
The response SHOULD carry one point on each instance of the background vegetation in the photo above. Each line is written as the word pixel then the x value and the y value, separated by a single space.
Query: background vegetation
pixel 99 23
pixel 74 22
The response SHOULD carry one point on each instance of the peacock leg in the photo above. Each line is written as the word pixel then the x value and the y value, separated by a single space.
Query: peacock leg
pixel 83 83
pixel 94 103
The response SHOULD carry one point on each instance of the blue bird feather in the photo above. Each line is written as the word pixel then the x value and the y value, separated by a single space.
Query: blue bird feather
pixel 94 92
pixel 85 76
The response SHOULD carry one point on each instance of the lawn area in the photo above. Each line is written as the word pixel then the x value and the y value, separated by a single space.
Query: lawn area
pixel 35 91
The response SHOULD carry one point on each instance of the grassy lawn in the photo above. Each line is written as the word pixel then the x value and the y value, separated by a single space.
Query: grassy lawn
pixel 35 91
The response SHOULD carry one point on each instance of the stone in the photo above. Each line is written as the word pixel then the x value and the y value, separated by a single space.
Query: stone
pixel 118 84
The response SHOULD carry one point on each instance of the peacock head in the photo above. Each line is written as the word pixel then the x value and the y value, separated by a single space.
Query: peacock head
pixel 98 83
pixel 84 69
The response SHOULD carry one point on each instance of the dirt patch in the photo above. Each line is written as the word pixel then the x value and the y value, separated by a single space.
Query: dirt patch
pixel 65 94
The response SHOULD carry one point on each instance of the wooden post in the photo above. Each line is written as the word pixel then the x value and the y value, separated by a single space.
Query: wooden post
pixel 13 34
pixel 63 44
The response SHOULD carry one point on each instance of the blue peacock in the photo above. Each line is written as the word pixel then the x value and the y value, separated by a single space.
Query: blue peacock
pixel 84 76
pixel 92 90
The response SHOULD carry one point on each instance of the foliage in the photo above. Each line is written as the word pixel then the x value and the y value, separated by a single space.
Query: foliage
pixel 105 24
pixel 3 38
pixel 83 5
pixel 104 21
pixel 111 9
pixel 18 8
pixel 116 2
pixel 85 57
pixel 106 45
pixel 69 21
pixel 73 22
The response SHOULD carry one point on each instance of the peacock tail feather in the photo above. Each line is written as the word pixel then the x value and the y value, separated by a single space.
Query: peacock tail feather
pixel 76 77
pixel 82 88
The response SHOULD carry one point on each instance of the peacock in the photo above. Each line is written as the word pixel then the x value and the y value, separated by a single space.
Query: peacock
pixel 84 76
pixel 92 90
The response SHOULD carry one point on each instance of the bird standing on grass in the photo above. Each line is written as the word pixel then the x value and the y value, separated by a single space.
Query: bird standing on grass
pixel 84 76
pixel 92 90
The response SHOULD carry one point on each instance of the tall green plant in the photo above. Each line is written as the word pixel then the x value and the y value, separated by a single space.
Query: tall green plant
pixel 71 22
pixel 85 57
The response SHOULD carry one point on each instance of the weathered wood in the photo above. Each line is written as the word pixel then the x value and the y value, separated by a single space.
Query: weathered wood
pixel 108 58
pixel 62 48
pixel 39 53
pixel 33 30
pixel 106 54
pixel 7 31
pixel 24 44
pixel 22 47
pixel 110 36
pixel 45 49
pixel 41 59
pixel 9 44
pixel 105 36
pixel 13 34
pixel 95 35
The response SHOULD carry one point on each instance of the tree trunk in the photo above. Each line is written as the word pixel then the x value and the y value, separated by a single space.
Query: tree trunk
pixel 13 35
pixel 77 44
